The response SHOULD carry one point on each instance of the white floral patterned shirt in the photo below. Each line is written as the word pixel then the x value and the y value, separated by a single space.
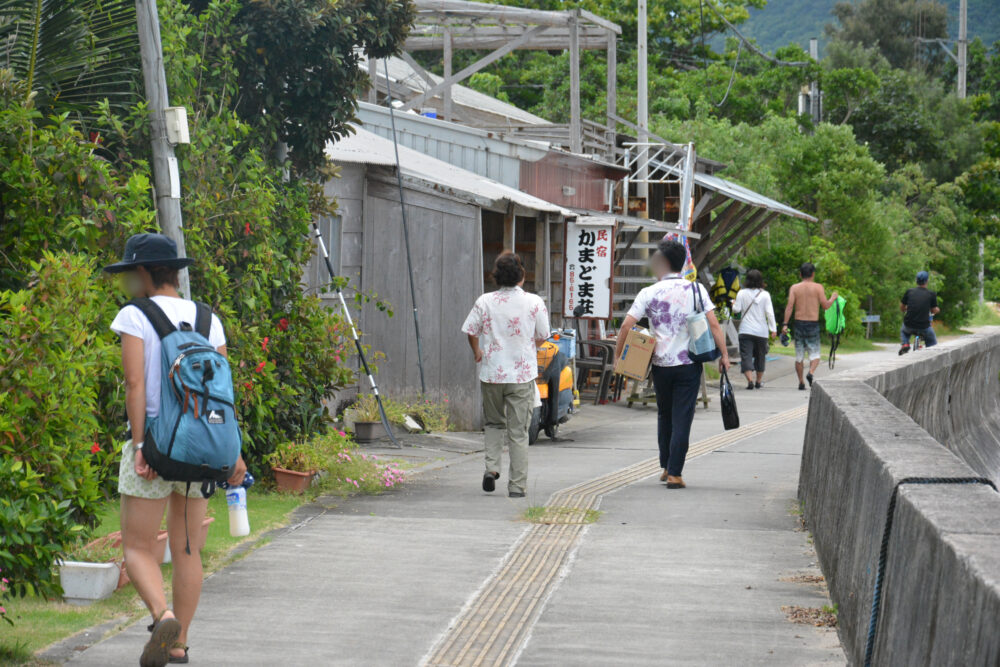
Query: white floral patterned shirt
pixel 667 304
pixel 508 322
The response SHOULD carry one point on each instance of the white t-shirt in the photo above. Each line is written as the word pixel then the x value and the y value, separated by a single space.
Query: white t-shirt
pixel 130 320
pixel 667 305
pixel 508 322
pixel 758 312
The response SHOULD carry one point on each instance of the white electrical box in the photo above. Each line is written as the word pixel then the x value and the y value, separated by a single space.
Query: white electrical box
pixel 177 125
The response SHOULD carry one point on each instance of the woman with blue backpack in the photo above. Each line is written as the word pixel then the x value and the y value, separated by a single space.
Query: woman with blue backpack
pixel 184 435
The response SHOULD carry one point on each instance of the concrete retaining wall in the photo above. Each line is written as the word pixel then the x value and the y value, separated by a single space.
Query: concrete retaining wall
pixel 866 431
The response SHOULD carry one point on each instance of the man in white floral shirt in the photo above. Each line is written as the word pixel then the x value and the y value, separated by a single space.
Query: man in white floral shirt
pixel 504 328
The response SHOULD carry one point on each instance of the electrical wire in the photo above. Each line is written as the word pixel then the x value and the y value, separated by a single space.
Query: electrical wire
pixel 406 229
pixel 732 77
pixel 750 45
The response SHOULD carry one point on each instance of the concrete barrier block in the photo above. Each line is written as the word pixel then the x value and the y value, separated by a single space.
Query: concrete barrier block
pixel 867 430
pixel 941 595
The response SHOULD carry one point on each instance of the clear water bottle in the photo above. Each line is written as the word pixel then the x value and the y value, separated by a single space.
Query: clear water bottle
pixel 236 499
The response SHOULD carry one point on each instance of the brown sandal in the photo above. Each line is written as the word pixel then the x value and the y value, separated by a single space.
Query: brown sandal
pixel 165 632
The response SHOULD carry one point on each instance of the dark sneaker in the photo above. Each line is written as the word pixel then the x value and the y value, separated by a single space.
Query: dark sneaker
pixel 749 385
pixel 809 378
pixel 903 349
pixel 490 481
pixel 516 494
pixel 756 385
pixel 802 386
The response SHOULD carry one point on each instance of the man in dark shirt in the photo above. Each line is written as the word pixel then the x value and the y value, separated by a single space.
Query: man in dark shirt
pixel 919 304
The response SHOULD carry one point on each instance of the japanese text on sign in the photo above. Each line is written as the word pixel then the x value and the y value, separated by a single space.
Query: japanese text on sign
pixel 588 270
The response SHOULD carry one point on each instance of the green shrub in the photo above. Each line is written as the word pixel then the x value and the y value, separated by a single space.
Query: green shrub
pixel 51 359
pixel 297 456
pixel 350 470
pixel 58 191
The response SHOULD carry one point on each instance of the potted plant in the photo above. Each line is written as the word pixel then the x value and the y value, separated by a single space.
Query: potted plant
pixel 294 465
pixel 367 419
pixel 90 572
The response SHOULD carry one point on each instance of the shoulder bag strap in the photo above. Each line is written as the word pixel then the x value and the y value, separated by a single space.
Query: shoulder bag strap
pixel 202 319
pixel 161 323
pixel 699 304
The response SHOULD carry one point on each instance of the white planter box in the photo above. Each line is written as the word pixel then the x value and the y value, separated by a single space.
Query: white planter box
pixel 83 583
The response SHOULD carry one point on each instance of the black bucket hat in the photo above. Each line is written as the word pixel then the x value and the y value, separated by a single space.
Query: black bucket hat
pixel 149 250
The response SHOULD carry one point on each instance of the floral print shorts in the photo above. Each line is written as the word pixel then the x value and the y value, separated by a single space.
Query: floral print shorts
pixel 130 484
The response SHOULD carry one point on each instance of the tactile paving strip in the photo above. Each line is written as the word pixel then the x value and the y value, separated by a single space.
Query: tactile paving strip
pixel 493 627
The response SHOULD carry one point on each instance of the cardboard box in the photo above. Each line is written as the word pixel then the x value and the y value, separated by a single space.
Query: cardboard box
pixel 636 354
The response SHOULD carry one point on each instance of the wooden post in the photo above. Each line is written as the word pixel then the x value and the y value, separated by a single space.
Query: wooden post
pixel 575 122
pixel 447 73
pixel 612 90
pixel 166 174
pixel 509 228
pixel 539 255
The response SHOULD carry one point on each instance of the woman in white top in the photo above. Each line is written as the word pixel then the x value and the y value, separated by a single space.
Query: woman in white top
pixel 756 326
pixel 150 269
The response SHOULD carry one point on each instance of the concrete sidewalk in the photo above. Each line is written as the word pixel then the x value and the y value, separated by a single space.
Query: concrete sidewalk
pixel 697 576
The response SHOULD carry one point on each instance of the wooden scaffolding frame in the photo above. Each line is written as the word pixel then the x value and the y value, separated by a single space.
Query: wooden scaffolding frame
pixel 449 25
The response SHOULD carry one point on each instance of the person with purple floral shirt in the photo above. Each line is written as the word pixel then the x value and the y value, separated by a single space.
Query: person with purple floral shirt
pixel 667 305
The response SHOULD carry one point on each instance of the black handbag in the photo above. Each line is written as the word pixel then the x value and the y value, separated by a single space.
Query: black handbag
pixel 730 416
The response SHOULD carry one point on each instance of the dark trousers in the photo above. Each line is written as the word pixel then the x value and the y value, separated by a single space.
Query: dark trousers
pixel 676 395
pixel 753 353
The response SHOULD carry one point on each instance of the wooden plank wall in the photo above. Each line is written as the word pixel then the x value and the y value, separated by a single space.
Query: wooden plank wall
pixel 446 247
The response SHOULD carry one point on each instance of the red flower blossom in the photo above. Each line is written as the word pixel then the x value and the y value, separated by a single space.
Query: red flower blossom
pixel 248 385
pixel 95 448
pixel 283 324
pixel 263 344
pixel 260 366
pixel 246 228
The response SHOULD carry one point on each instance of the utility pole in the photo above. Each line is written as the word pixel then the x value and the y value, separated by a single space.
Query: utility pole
pixel 642 103
pixel 166 175
pixel 963 42
pixel 815 110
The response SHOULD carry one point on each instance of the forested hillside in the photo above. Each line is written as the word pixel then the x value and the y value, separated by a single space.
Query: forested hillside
pixel 782 22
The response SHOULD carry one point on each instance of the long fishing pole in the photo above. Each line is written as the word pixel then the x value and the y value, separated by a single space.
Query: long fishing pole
pixel 406 231
pixel 354 334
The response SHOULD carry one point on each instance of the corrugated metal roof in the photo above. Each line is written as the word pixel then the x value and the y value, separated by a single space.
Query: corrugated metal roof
pixel 365 147
pixel 470 148
pixel 402 74
pixel 740 193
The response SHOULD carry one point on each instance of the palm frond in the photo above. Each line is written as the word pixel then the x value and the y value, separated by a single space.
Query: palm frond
pixel 73 53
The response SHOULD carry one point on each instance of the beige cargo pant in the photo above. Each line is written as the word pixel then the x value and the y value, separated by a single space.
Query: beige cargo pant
pixel 507 411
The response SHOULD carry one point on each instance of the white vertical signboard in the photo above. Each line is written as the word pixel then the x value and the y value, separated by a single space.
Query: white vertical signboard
pixel 588 270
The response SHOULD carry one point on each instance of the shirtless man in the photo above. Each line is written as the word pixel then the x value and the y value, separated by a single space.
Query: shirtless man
pixel 805 298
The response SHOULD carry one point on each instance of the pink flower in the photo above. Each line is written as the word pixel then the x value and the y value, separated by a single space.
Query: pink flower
pixel 3 610
pixel 341 434
pixel 283 324
pixel 263 344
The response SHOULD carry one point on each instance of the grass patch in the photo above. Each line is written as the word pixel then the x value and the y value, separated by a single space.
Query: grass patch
pixel 985 314
pixel 39 622
pixel 560 515
pixel 847 346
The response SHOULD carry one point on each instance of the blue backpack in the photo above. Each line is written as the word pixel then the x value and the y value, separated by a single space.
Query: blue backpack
pixel 195 438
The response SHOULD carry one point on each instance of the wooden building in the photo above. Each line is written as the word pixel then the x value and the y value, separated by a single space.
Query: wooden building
pixel 451 214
